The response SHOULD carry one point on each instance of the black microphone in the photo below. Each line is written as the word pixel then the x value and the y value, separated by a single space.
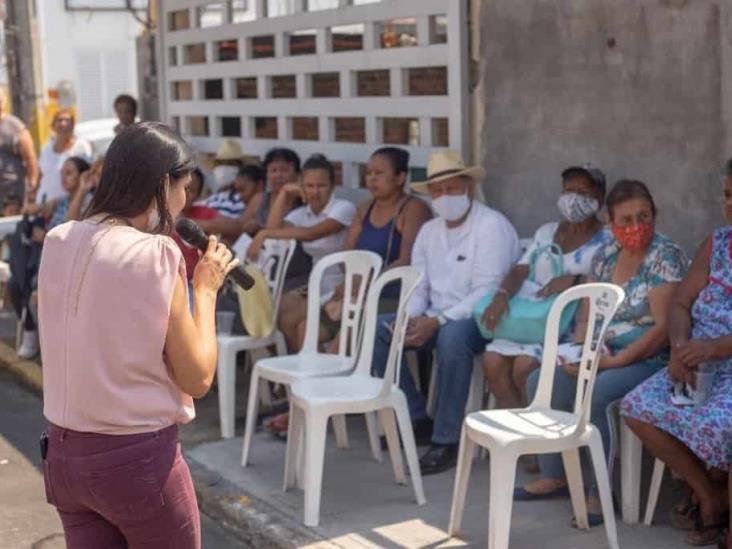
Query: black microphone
pixel 193 235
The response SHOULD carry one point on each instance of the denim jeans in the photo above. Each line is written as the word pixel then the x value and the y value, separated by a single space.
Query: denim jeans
pixel 456 344
pixel 610 385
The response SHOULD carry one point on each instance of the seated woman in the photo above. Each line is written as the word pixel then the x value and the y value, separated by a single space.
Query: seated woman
pixel 648 266
pixel 695 441
pixel 320 225
pixel 25 245
pixel 578 236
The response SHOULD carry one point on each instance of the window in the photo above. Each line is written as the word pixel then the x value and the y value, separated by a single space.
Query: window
pixel 262 46
pixel 198 126
pixel 440 132
pixel 283 86
pixel 211 15
pixel 373 83
pixel 325 84
pixel 213 89
pixel 265 127
pixel 302 42
pixel 305 128
pixel 179 20
pixel 276 8
pixel 398 33
pixel 194 53
pixel 337 173
pixel 182 91
pixel 347 38
pixel 245 88
pixel 427 81
pixel 241 12
pixel 438 29
pixel 400 131
pixel 317 5
pixel 226 50
pixel 230 126
pixel 173 56
pixel 350 129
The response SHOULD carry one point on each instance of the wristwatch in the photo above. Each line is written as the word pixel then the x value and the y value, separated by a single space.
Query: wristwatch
pixel 441 319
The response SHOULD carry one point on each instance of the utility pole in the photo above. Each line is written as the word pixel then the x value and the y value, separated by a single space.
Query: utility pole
pixel 24 66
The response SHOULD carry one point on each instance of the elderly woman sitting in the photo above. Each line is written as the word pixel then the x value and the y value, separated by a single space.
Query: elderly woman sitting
pixel 695 441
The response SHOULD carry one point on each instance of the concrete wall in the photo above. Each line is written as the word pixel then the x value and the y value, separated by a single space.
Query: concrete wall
pixel 639 87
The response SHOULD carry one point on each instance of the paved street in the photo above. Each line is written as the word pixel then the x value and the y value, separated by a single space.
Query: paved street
pixel 26 521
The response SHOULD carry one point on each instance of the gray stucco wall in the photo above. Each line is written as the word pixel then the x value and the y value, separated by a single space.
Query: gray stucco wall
pixel 639 87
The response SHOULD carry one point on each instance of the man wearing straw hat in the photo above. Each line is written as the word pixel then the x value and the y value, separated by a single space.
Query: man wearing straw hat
pixel 463 253
pixel 227 163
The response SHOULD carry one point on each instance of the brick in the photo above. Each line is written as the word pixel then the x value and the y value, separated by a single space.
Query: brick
pixel 246 88
pixel 265 127
pixel 262 46
pixel 305 128
pixel 350 129
pixel 194 53
pixel 373 83
pixel 283 86
pixel 182 90
pixel 427 81
pixel 302 43
pixel 346 40
pixel 400 131
pixel 325 84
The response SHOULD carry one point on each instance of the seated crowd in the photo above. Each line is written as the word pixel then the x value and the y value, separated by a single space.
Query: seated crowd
pixel 675 318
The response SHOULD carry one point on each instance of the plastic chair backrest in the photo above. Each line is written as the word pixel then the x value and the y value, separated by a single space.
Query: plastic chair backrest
pixel 409 278
pixel 276 255
pixel 357 265
pixel 604 300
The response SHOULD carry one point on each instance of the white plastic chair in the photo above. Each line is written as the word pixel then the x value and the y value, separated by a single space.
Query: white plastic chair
pixel 313 401
pixel 276 258
pixel 631 460
pixel 309 362
pixel 539 429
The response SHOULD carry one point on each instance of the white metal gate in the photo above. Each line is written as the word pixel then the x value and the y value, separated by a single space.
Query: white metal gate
pixel 340 81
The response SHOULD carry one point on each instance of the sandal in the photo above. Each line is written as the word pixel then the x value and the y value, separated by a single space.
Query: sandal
pixel 277 426
pixel 684 518
pixel 703 535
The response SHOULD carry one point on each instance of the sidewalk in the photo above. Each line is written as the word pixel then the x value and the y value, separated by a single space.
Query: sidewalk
pixel 362 506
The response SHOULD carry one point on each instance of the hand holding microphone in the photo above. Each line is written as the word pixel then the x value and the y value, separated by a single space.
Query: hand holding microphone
pixel 216 263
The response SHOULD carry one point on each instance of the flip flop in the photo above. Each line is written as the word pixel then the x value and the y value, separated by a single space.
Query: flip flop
pixel 522 494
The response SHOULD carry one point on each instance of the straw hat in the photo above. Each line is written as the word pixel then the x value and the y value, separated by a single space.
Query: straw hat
pixel 229 149
pixel 444 165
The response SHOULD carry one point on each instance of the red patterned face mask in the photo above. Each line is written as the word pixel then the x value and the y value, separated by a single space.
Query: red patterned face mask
pixel 634 237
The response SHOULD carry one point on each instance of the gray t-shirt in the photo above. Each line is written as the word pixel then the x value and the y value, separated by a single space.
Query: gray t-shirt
pixel 12 168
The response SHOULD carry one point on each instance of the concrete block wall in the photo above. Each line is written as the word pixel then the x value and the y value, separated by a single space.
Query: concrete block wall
pixel 639 87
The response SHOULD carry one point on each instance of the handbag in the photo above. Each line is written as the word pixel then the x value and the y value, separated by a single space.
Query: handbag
pixel 525 322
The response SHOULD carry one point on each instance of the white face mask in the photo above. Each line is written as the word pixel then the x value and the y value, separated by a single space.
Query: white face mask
pixel 225 175
pixel 577 208
pixel 451 207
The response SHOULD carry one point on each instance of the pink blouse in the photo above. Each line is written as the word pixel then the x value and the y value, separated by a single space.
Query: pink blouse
pixel 104 297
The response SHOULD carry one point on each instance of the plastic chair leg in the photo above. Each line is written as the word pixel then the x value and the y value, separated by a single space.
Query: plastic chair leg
pixel 265 395
pixel 292 453
pixel 251 419
pixel 386 416
pixel 462 476
pixel 432 393
pixel 373 432
pixel 410 446
pixel 226 373
pixel 340 430
pixel 603 487
pixel 631 454
pixel 503 479
pixel 280 343
pixel 573 472
pixel 658 469
pixel 477 388
pixel 315 428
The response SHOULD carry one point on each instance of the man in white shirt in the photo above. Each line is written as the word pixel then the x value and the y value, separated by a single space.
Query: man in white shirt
pixel 462 254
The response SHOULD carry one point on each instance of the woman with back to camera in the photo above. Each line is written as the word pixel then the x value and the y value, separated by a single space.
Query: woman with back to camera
pixel 122 354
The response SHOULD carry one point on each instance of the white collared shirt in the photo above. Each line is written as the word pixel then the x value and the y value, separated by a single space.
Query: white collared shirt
pixel 461 265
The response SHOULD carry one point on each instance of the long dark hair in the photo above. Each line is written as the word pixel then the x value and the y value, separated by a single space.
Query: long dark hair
pixel 134 172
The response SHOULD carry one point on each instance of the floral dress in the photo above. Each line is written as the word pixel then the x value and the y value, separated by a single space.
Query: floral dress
pixel 577 262
pixel 705 429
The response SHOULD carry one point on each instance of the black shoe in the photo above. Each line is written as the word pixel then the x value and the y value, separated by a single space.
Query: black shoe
pixel 439 458
pixel 422 434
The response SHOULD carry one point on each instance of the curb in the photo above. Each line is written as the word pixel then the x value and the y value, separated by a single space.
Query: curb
pixel 252 520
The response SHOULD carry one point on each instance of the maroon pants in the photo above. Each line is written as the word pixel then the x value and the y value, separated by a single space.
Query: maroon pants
pixel 131 491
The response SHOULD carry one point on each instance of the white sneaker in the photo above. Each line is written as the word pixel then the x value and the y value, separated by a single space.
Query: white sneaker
pixel 29 347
